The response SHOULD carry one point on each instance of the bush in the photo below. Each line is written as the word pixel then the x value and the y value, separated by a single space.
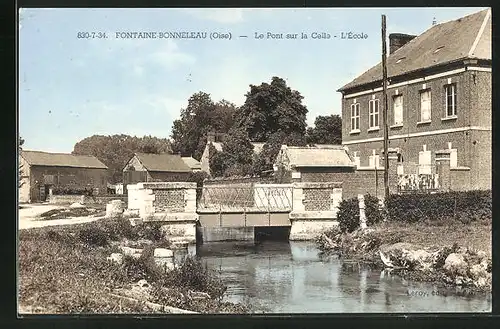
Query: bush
pixel 348 213
pixel 149 231
pixel 72 190
pixel 117 228
pixel 191 274
pixel 143 267
pixel 466 206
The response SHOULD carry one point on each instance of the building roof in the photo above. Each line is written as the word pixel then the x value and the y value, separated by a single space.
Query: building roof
pixel 163 162
pixel 257 147
pixel 39 158
pixel 466 38
pixel 331 156
pixel 192 162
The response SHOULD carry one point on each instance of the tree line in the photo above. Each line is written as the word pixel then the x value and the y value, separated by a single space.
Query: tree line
pixel 272 113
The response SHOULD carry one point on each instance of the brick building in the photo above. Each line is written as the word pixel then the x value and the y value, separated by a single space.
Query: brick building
pixel 439 98
pixel 43 170
pixel 144 167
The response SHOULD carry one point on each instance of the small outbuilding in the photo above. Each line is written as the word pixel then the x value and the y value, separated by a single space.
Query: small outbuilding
pixel 146 167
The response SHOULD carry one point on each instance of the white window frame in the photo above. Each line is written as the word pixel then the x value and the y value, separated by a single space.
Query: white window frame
pixel 453 88
pixel 399 108
pixel 425 106
pixel 374 113
pixel 425 162
pixel 355 117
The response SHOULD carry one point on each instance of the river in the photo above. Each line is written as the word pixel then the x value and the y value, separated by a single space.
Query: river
pixel 290 277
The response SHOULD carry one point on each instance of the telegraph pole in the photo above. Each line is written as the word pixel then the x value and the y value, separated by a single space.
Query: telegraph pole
pixel 384 110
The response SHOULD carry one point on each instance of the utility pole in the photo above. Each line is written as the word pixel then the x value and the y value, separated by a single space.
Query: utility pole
pixel 384 110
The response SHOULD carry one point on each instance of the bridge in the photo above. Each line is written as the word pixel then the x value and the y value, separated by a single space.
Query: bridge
pixel 233 211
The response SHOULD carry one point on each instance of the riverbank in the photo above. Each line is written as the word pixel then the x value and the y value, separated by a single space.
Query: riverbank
pixel 450 254
pixel 110 266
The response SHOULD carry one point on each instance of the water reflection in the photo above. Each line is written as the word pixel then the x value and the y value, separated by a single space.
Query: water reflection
pixel 290 277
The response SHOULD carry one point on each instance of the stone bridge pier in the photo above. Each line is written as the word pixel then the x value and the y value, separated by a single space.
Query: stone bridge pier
pixel 314 210
pixel 173 204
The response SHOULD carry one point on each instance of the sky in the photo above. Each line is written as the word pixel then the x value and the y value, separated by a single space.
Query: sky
pixel 71 88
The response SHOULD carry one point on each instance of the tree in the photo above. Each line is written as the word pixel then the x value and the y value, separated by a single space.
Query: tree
pixel 270 108
pixel 116 150
pixel 202 115
pixel 21 171
pixel 327 130
pixel 236 157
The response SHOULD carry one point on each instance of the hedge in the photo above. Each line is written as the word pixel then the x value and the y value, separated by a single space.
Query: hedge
pixel 466 206
pixel 348 213
pixel 71 190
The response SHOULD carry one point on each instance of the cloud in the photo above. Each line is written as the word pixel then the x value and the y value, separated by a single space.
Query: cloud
pixel 160 105
pixel 225 16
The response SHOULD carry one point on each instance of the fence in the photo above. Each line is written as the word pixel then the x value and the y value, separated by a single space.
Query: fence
pixel 258 197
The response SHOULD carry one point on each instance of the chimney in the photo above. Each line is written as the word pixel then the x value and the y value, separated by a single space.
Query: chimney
pixel 398 40
pixel 211 137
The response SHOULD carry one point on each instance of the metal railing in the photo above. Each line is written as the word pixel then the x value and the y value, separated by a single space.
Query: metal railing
pixel 244 198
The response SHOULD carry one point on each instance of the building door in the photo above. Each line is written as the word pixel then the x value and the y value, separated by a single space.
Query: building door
pixel 43 194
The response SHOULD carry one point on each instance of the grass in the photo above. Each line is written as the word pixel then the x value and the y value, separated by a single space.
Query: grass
pixel 64 270
pixel 475 235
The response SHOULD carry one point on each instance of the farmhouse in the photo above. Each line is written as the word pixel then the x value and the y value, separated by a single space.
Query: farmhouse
pixel 439 102
pixel 42 171
pixel 145 167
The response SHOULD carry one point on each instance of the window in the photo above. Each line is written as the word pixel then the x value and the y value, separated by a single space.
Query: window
pixel 374 160
pixel 374 111
pixel 398 109
pixel 451 100
pixel 355 117
pixel 424 162
pixel 425 105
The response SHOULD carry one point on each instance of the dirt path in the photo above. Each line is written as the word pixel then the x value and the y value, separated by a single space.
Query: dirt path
pixel 28 217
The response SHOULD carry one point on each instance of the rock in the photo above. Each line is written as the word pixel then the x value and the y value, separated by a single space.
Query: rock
pixel 114 209
pixel 477 271
pixel 143 284
pixel 77 205
pixel 162 253
pixel 131 213
pixel 115 257
pixel 198 295
pixel 421 259
pixel 136 253
pixel 455 264
pixel 165 262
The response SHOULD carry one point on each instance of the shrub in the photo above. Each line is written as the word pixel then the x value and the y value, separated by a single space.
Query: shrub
pixel 117 228
pixel 143 267
pixel 466 206
pixel 72 190
pixel 150 231
pixel 348 213
pixel 192 274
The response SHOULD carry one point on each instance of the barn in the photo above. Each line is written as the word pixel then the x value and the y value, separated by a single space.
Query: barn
pixel 146 167
pixel 41 171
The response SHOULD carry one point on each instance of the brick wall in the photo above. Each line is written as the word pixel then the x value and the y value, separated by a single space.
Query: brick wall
pixel 317 199
pixel 169 200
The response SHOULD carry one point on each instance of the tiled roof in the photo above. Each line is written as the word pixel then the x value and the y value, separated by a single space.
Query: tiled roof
pixel 466 38
pixel 321 156
pixel 163 162
pixel 38 158
pixel 192 162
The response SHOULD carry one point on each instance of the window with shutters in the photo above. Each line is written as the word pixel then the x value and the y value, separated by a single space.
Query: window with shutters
pixel 355 117
pixel 425 105
pixel 451 100
pixel 398 109
pixel 374 114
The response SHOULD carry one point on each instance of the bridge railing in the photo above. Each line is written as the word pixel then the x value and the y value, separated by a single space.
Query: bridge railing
pixel 255 197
